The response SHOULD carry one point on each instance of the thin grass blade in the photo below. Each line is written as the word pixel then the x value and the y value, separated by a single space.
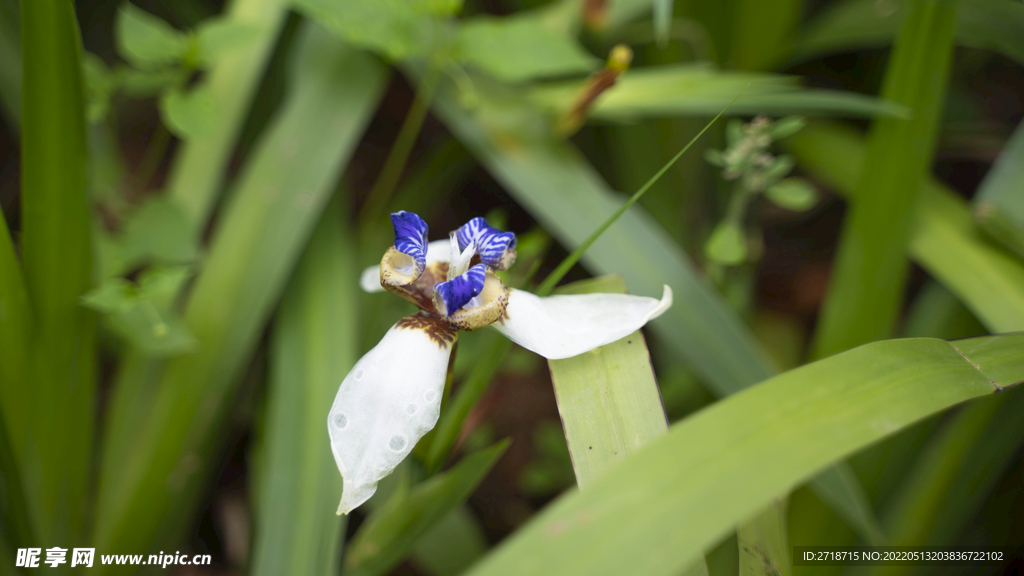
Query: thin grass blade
pixel 999 202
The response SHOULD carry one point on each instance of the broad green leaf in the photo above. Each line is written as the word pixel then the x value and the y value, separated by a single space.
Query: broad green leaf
pixel 189 115
pixel 866 287
pixel 608 399
pixel 158 232
pixel 197 172
pixel 794 194
pixel 147 41
pixel 764 544
pixel 853 24
pixel 313 347
pixel 385 26
pixel 518 48
pixel 15 523
pixel 149 485
pixel 570 200
pixel 687 490
pixel 389 534
pixel 152 331
pixel 943 238
pixel 112 296
pixel 52 435
pixel 703 90
pixel 217 37
pixel 999 203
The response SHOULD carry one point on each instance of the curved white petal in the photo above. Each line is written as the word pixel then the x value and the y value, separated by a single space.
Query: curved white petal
pixel 437 251
pixel 566 325
pixel 390 399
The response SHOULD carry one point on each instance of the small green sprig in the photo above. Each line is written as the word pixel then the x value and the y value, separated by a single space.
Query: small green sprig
pixel 748 162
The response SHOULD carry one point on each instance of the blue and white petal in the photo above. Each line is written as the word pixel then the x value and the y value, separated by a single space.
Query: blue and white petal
pixel 411 235
pixel 567 325
pixel 390 399
pixel 453 294
pixel 437 251
pixel 495 248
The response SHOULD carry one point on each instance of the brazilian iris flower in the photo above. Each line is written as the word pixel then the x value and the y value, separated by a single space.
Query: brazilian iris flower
pixel 392 396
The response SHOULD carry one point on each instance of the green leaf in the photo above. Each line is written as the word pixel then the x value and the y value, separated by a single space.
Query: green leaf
pixel 200 164
pixel 764 544
pixel 146 83
pixel 217 37
pixel 608 398
pixel 999 204
pixel 147 41
pixel 53 436
pixel 151 331
pixel 385 26
pixel 519 48
pixel 158 232
pixel 162 285
pixel 794 194
pixel 112 296
pixel 389 534
pixel 703 90
pixel 727 244
pixel 786 127
pixel 687 490
pixel 149 487
pixel 714 157
pixel 987 24
pixel 313 347
pixel 15 335
pixel 943 239
pixel 452 545
pixel 859 307
pixel 189 115
pixel 762 33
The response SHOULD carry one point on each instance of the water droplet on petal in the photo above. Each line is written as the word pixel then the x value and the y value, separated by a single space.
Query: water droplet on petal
pixel 359 374
pixel 411 409
pixel 397 443
pixel 340 421
pixel 430 395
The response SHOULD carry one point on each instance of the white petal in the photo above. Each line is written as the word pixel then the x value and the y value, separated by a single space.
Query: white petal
pixel 390 399
pixel 437 251
pixel 566 325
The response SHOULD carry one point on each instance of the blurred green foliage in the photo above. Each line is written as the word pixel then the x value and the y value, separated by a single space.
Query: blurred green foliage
pixel 163 300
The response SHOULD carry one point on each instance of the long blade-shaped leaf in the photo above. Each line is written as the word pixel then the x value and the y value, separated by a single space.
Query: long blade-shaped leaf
pixel 943 239
pixel 54 439
pixel 686 490
pixel 198 169
pixel 608 398
pixel 313 347
pixel 265 226
pixel 700 89
pixel 870 268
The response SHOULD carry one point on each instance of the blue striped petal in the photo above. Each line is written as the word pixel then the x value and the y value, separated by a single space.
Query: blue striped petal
pixel 411 236
pixel 495 248
pixel 458 291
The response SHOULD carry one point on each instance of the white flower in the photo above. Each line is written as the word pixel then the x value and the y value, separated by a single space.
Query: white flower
pixel 392 396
